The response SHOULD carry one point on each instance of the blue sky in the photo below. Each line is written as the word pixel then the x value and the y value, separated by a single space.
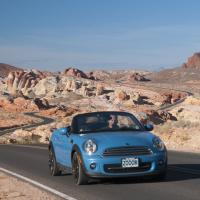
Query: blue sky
pixel 94 34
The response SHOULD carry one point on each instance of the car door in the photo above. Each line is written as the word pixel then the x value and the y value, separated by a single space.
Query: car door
pixel 63 148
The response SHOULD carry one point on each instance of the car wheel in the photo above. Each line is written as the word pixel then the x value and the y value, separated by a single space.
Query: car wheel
pixel 54 170
pixel 80 177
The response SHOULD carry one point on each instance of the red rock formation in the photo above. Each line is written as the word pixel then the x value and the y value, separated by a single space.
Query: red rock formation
pixel 171 97
pixel 22 80
pixel 193 61
pixel 157 117
pixel 75 73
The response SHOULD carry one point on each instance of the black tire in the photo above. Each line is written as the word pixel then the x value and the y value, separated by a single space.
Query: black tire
pixel 80 177
pixel 53 166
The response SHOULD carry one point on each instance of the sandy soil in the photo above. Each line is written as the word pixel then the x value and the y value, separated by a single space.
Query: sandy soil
pixel 11 188
pixel 183 134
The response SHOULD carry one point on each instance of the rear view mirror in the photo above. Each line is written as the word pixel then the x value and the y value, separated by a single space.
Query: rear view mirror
pixel 148 127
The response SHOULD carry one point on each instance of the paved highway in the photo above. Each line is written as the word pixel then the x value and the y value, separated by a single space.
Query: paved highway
pixel 183 180
pixel 44 121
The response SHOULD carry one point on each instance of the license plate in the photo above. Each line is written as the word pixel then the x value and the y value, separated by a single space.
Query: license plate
pixel 130 162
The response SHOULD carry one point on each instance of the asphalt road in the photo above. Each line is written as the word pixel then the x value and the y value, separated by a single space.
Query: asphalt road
pixel 183 179
pixel 44 121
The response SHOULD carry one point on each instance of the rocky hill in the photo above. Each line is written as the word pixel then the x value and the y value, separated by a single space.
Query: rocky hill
pixel 193 61
pixel 5 69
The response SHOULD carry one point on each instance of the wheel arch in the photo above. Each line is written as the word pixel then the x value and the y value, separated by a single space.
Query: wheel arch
pixel 75 148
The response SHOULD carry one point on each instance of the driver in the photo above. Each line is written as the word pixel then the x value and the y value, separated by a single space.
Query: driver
pixel 112 122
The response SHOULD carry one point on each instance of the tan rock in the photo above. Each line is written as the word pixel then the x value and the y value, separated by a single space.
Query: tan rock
pixel 99 89
pixel 121 95
pixel 46 85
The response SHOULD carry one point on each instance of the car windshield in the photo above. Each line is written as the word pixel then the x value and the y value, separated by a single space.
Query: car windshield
pixel 105 121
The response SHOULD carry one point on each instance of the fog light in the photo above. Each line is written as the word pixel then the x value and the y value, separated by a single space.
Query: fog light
pixel 93 165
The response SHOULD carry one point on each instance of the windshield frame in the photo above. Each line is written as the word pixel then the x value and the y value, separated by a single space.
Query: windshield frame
pixel 74 124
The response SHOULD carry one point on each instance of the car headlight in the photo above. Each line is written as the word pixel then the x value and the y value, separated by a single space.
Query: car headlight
pixel 90 146
pixel 158 144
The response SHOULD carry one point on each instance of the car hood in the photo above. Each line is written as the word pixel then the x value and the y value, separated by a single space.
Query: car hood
pixel 117 139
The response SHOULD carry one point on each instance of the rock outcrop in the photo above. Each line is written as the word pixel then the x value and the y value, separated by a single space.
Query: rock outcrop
pixel 171 97
pixel 99 89
pixel 157 117
pixel 121 95
pixel 193 61
pixel 48 85
pixel 75 73
pixel 136 77
pixel 23 80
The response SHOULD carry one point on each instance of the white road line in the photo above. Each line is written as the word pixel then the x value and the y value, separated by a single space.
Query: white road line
pixel 44 187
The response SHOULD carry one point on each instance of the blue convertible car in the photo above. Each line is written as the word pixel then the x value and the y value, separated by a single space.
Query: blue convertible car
pixel 107 144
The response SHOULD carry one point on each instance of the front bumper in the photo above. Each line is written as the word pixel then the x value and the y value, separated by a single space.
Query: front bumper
pixel 110 166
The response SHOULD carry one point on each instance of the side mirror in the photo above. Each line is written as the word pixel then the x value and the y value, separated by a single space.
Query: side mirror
pixel 148 127
pixel 65 130
pixel 68 129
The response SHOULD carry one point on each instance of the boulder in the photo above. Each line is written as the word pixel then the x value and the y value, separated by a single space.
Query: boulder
pixel 121 95
pixel 46 85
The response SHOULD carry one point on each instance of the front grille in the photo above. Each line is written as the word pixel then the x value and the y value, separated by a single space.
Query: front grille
pixel 126 151
pixel 117 168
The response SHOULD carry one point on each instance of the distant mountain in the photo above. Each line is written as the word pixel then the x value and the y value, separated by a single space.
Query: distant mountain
pixel 189 72
pixel 175 75
pixel 5 69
